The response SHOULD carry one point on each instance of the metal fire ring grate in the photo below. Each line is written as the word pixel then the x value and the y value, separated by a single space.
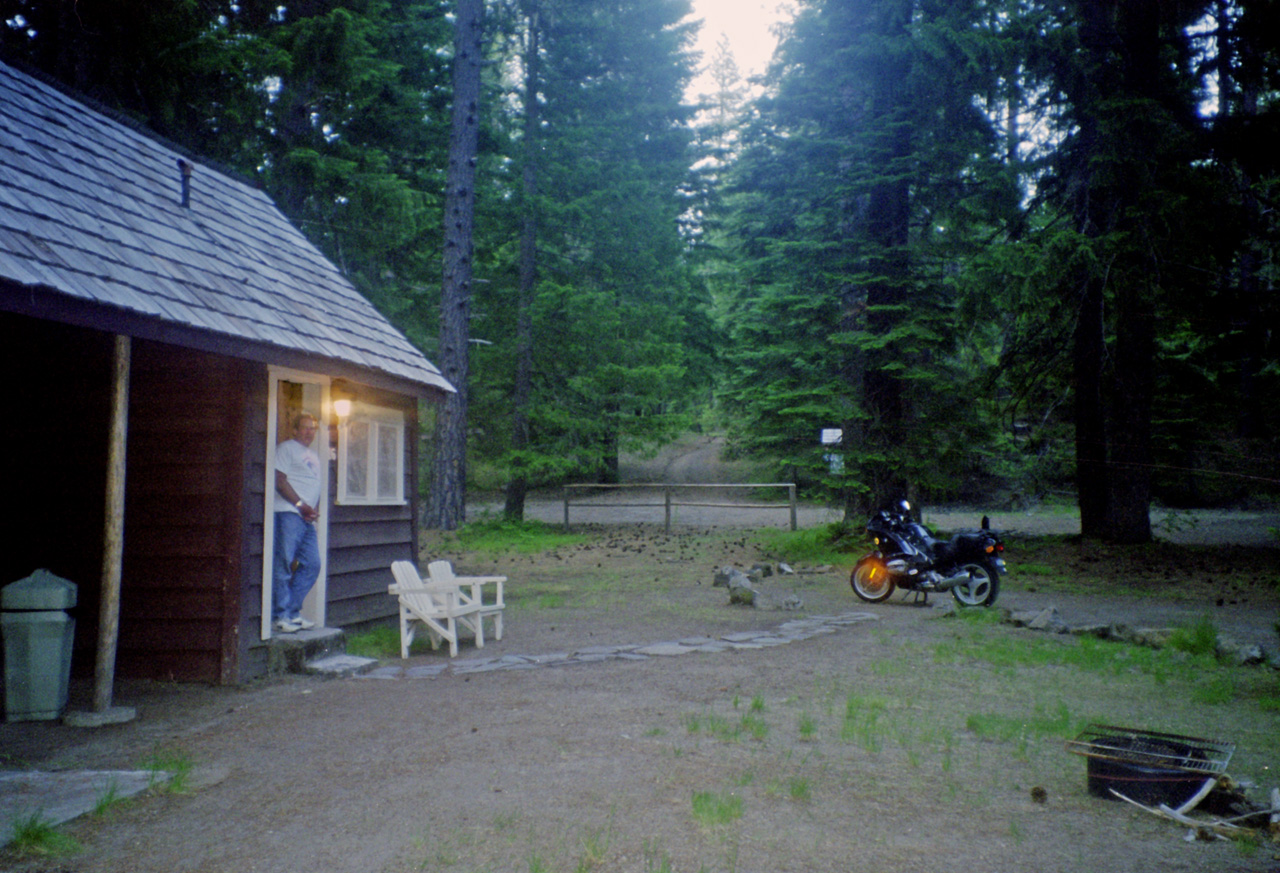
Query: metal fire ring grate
pixel 1153 749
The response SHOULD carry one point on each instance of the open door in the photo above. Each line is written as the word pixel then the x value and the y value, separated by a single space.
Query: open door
pixel 293 392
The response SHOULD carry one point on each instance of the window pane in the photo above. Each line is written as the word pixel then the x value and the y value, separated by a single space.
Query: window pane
pixel 358 459
pixel 388 461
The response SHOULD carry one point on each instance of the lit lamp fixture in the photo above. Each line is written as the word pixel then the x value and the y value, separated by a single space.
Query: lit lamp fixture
pixel 342 399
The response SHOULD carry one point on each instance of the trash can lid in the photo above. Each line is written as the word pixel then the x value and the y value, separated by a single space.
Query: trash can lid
pixel 40 590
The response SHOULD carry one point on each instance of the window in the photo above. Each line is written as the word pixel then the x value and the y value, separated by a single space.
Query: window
pixel 371 457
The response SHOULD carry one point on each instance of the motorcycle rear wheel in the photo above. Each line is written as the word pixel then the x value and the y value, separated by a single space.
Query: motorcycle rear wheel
pixel 871 581
pixel 983 586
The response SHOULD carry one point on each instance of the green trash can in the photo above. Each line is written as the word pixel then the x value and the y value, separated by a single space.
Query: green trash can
pixel 38 633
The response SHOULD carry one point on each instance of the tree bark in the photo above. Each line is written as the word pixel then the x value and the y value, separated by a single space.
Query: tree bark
pixel 447 508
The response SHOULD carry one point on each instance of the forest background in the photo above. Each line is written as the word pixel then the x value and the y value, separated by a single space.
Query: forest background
pixel 1007 248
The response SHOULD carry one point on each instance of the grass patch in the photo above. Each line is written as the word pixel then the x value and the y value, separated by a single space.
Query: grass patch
pixel 173 763
pixel 751 724
pixel 829 544
pixel 36 835
pixel 799 789
pixel 108 798
pixel 1200 638
pixel 1056 722
pixel 497 535
pixel 755 727
pixel 862 721
pixel 711 809
pixel 384 642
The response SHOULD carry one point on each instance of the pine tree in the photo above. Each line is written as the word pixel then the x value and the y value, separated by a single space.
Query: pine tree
pixel 868 180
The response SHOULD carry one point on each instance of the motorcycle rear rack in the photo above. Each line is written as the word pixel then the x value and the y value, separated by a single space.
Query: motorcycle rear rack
pixel 1153 749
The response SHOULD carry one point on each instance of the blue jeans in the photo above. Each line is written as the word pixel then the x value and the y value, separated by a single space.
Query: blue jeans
pixel 295 541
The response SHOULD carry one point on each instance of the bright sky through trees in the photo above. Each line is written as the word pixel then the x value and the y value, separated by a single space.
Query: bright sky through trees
pixel 748 25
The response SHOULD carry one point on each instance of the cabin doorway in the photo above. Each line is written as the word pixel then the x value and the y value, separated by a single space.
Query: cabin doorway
pixel 292 393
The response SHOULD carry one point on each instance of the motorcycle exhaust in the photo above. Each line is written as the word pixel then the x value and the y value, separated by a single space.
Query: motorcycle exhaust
pixel 952 581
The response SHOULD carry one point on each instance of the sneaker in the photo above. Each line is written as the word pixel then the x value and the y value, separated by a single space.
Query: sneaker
pixel 288 626
pixel 302 623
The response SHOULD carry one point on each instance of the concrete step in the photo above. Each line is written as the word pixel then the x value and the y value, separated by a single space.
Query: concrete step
pixel 290 653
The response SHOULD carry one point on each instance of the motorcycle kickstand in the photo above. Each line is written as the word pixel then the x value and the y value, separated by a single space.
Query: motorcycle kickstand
pixel 922 598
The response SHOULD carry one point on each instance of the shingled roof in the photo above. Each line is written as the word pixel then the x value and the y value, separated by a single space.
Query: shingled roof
pixel 93 227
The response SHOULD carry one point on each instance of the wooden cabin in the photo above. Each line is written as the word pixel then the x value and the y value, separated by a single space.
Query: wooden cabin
pixel 157 308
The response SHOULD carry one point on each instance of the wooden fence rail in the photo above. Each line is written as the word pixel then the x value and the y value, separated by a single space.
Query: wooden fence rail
pixel 667 490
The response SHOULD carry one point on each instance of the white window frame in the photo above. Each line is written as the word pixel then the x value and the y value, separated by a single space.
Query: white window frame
pixel 379 419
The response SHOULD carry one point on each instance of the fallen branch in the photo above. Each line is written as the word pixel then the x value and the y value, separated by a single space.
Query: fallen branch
pixel 1216 830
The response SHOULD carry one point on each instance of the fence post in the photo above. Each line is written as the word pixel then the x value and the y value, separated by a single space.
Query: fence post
pixel 566 509
pixel 666 499
pixel 791 496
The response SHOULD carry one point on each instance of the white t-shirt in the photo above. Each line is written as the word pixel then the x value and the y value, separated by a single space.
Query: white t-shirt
pixel 302 468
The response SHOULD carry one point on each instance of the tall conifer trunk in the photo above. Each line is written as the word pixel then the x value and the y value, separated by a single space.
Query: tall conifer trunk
pixel 447 508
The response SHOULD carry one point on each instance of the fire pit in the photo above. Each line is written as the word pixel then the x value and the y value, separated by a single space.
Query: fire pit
pixel 1149 767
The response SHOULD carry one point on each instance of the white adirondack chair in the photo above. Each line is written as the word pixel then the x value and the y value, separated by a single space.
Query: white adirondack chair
pixel 439 605
pixel 442 572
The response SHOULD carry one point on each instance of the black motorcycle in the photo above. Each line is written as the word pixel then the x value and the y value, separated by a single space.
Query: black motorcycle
pixel 907 556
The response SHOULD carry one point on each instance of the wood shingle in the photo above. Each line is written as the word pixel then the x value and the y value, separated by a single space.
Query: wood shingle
pixel 91 211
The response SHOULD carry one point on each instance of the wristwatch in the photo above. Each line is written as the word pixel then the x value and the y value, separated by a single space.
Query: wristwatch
pixel 301 503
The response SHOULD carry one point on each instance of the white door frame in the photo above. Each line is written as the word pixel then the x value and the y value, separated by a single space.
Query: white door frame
pixel 313 608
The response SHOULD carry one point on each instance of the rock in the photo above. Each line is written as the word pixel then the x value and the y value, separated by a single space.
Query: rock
pixel 1049 620
pixel 1153 637
pixel 760 571
pixel 785 569
pixel 788 602
pixel 1241 655
pixel 741 591
pixel 1024 618
pixel 1117 632
pixel 727 577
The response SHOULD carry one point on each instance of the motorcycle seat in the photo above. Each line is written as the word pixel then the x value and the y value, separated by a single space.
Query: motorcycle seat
pixel 945 550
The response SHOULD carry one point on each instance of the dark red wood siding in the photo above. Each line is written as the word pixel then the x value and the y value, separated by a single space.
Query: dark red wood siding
pixel 184 515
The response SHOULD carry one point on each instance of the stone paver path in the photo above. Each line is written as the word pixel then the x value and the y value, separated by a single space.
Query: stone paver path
pixel 788 632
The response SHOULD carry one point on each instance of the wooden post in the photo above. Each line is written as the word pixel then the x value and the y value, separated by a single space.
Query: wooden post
pixel 113 536
pixel 566 509
pixel 666 495
pixel 791 496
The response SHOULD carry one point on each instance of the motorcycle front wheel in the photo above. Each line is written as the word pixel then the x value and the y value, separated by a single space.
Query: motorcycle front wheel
pixel 871 581
pixel 983 586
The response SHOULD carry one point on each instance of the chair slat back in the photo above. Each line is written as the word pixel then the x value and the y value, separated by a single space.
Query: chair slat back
pixel 440 571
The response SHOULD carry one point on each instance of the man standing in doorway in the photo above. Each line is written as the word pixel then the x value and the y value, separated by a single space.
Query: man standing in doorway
pixel 297 551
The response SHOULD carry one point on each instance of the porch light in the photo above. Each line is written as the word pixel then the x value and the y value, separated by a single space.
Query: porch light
pixel 342 407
